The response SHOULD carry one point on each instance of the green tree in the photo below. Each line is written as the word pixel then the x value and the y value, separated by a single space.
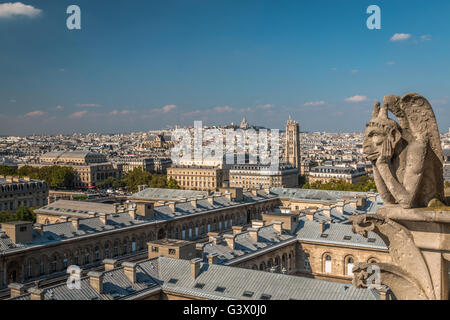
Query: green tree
pixel 172 184
pixel 28 171
pixel 25 214
pixel 364 185
pixel 7 171
pixel 57 177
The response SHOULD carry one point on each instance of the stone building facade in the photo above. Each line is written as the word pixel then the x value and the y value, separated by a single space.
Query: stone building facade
pixel 198 178
pixel 15 191
pixel 259 176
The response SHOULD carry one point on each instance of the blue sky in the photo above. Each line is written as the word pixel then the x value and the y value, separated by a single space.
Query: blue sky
pixel 146 64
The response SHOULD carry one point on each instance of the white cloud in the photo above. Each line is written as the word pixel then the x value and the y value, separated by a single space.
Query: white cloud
pixel 88 105
pixel 356 99
pixel 223 109
pixel 425 37
pixel 400 37
pixel 11 9
pixel 122 112
pixel 354 71
pixel 165 109
pixel 390 63
pixel 314 103
pixel 36 113
pixel 78 115
pixel 59 108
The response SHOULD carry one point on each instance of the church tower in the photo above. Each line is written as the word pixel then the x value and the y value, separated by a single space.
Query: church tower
pixel 292 147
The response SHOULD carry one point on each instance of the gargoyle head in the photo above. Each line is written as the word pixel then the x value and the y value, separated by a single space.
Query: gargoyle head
pixel 382 134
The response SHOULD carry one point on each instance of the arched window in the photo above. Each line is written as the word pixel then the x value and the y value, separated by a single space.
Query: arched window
pixel 107 251
pixel 350 264
pixel 97 254
pixel 328 264
pixel 133 245
pixel 53 265
pixel 30 269
pixel 42 267
pixel 116 249
pixel 87 258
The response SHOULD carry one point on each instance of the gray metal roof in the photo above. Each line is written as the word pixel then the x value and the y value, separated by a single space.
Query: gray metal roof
pixel 156 273
pixel 268 237
pixel 237 280
pixel 167 194
pixel 335 233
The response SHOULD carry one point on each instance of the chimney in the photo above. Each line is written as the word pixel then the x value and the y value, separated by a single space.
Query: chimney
pixel 309 215
pixel 228 196
pixel 96 281
pixel 103 218
pixel 327 211
pixel 194 203
pixel 129 269
pixel 75 223
pixel 216 240
pixel 145 210
pixel 110 264
pixel 322 226
pixel 172 206
pixel 195 268
pixel 267 190
pixel 255 192
pixel 354 204
pixel 340 208
pixel 278 226
pixel 237 229
pixel 253 232
pixel 28 179
pixel 16 290
pixel 36 294
pixel 16 179
pixel 230 240
pixel 213 235
pixel 116 208
pixel 211 200
pixel 132 211
pixel 341 202
pixel 372 197
pixel 256 224
pixel 9 179
pixel 92 214
pixel 212 258
pixel 39 228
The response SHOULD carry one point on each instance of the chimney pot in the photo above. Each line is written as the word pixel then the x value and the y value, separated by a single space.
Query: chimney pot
pixel 237 229
pixel 212 258
pixel 110 264
pixel 195 268
pixel 75 223
pixel 253 232
pixel 130 271
pixel 16 290
pixel 36 294
pixel 230 240
pixel 278 226
pixel 96 281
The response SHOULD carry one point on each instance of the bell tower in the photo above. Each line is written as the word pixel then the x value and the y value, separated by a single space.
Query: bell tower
pixel 292 147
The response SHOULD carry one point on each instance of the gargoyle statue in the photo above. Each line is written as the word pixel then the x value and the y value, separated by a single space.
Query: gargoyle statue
pixel 406 156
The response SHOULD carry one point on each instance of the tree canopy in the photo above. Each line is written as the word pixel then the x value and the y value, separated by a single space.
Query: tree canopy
pixel 364 185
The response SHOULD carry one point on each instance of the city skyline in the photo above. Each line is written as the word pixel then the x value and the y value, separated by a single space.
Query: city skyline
pixel 216 62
